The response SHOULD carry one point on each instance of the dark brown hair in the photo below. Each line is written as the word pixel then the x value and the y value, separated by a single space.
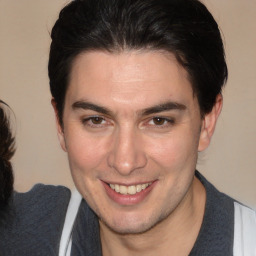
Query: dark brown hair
pixel 7 150
pixel 183 27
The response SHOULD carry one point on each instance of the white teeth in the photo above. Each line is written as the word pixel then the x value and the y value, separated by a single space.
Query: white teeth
pixel 123 190
pixel 116 188
pixel 131 190
pixel 138 188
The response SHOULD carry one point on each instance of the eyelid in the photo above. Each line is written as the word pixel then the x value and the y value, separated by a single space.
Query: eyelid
pixel 92 116
pixel 86 121
pixel 170 121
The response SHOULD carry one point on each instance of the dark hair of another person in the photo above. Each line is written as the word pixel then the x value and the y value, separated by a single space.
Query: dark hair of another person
pixel 184 28
pixel 6 152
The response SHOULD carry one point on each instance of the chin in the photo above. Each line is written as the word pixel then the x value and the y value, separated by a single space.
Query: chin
pixel 126 225
pixel 127 229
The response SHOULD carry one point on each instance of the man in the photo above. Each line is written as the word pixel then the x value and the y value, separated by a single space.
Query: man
pixel 136 87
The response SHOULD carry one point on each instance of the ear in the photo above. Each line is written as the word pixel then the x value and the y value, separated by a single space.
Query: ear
pixel 209 123
pixel 60 131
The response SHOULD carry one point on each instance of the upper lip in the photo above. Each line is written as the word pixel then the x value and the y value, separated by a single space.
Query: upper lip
pixel 128 184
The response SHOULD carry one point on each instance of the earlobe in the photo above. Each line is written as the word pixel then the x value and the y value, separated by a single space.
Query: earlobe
pixel 59 127
pixel 209 123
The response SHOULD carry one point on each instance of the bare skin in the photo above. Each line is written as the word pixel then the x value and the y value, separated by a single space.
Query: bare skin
pixel 176 234
pixel 132 129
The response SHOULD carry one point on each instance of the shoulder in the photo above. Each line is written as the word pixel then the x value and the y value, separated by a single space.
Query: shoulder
pixel 46 197
pixel 244 230
pixel 229 228
pixel 35 220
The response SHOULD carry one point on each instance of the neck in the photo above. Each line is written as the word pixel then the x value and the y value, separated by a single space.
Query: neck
pixel 175 235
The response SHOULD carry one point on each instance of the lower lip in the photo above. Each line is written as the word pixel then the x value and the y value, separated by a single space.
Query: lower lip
pixel 128 199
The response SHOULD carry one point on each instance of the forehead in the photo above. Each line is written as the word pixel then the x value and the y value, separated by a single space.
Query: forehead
pixel 123 77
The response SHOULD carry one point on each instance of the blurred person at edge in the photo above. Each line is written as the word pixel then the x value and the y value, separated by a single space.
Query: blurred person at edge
pixel 136 87
pixel 6 152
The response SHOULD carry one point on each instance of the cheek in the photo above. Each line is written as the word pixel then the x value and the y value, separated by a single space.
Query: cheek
pixel 175 152
pixel 85 152
pixel 85 157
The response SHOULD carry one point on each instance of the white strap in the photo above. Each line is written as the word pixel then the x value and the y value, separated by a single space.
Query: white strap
pixel 245 231
pixel 66 241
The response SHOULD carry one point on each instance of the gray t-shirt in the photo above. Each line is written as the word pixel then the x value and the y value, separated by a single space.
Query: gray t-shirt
pixel 215 238
pixel 34 223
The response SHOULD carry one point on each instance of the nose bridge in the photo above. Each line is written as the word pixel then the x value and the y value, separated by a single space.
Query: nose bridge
pixel 127 152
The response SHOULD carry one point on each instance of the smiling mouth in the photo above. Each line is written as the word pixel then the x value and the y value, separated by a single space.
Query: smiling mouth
pixel 129 190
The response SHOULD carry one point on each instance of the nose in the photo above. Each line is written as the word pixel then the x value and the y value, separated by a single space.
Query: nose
pixel 126 154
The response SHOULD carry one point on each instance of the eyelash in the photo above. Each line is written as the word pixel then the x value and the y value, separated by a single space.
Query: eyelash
pixel 89 121
pixel 164 122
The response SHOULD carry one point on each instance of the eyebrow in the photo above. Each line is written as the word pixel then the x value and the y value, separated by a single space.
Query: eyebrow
pixel 87 105
pixel 170 105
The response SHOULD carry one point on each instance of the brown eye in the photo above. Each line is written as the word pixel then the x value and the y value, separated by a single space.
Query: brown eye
pixel 159 120
pixel 97 120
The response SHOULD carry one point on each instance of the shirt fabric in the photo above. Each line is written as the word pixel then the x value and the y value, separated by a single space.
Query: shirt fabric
pixel 215 237
pixel 34 225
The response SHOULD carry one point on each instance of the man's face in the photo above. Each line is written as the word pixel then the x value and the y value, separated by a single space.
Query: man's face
pixel 132 130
